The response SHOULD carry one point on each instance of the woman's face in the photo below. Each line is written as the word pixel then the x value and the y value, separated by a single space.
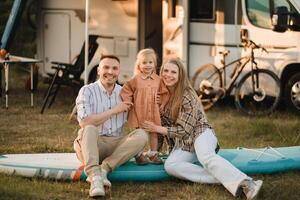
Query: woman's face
pixel 170 74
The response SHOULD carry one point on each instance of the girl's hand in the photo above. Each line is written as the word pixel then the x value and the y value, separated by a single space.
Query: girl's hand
pixel 151 127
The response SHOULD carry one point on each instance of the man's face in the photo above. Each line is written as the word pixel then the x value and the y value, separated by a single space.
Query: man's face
pixel 108 71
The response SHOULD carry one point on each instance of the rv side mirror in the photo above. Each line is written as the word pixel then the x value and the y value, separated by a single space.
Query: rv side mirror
pixel 280 19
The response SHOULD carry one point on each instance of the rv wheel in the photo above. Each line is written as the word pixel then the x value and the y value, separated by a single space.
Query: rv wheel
pixel 292 93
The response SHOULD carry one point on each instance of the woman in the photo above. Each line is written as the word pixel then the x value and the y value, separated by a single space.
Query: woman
pixel 184 121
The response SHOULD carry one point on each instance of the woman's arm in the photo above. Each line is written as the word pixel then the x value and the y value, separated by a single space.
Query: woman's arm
pixel 151 127
pixel 164 96
pixel 186 120
pixel 185 123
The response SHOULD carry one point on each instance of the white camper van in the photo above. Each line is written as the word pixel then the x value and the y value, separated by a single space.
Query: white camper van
pixel 217 25
pixel 196 32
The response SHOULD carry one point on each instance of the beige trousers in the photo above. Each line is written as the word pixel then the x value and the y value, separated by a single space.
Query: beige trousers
pixel 97 152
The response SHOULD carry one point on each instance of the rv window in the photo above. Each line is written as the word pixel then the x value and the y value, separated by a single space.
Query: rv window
pixel 202 10
pixel 259 12
pixel 225 12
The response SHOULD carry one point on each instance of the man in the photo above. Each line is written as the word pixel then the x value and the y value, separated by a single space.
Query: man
pixel 101 145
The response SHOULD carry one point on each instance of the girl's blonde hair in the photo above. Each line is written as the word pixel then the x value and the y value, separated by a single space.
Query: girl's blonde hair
pixel 144 52
pixel 182 85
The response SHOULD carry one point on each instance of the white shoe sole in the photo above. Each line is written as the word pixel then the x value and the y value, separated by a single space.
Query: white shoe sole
pixel 97 193
pixel 255 193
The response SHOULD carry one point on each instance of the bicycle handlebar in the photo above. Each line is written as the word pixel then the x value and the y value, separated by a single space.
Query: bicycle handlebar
pixel 251 44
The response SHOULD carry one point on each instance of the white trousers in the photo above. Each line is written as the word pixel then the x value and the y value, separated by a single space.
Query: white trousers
pixel 215 168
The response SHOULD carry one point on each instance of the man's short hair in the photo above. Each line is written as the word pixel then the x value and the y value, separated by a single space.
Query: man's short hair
pixel 110 56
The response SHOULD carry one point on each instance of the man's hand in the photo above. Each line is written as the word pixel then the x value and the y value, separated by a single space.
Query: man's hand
pixel 151 127
pixel 100 118
pixel 122 107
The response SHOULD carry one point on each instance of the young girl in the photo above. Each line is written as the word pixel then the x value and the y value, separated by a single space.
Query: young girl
pixel 141 90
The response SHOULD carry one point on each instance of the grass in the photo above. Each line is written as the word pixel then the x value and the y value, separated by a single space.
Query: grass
pixel 24 130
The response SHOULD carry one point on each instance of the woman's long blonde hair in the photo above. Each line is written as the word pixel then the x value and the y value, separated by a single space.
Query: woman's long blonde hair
pixel 144 52
pixel 182 84
pixel 180 87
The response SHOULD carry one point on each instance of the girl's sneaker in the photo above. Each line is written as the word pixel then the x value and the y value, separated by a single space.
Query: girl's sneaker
pixel 155 159
pixel 142 160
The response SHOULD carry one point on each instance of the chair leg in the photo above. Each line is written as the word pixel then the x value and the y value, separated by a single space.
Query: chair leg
pixel 54 94
pixel 49 91
pixel 74 111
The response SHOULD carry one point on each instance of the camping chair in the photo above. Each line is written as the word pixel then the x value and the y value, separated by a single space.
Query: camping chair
pixel 68 74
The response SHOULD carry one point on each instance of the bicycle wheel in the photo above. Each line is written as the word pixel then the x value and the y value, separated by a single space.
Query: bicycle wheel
pixel 259 97
pixel 207 82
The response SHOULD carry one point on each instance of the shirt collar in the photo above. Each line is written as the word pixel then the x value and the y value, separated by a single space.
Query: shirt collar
pixel 144 76
pixel 102 88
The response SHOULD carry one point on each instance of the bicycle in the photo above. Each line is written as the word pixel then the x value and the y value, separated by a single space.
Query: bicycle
pixel 256 93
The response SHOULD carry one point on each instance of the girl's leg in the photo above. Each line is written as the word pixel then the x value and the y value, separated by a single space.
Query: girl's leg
pixel 153 142
pixel 153 153
pixel 180 164
pixel 220 168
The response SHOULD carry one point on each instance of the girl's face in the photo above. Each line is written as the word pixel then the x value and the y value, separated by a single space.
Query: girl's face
pixel 147 65
pixel 170 74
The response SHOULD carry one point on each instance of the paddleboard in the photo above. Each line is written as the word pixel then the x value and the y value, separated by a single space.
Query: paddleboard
pixel 65 166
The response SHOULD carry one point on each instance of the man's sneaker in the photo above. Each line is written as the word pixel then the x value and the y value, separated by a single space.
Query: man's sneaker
pixel 142 160
pixel 96 188
pixel 106 182
pixel 155 159
pixel 251 188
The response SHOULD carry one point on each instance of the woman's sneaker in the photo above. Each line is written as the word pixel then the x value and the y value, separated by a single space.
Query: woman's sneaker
pixel 251 188
pixel 96 188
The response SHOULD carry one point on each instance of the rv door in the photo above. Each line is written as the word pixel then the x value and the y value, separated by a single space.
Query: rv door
pixel 214 26
pixel 56 43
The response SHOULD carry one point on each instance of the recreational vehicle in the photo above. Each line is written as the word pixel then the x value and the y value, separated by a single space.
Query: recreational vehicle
pixel 194 30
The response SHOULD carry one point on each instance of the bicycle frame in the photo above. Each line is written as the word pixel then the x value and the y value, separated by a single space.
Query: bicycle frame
pixel 249 96
pixel 240 65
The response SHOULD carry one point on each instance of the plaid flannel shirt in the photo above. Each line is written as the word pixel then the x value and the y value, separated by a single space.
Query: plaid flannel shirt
pixel 190 123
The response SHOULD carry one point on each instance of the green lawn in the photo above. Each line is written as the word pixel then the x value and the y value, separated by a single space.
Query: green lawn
pixel 24 130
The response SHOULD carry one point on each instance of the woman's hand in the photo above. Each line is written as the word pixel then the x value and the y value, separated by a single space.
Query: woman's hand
pixel 157 98
pixel 151 127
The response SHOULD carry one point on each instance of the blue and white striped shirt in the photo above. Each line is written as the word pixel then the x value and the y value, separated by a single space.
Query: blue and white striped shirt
pixel 94 99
